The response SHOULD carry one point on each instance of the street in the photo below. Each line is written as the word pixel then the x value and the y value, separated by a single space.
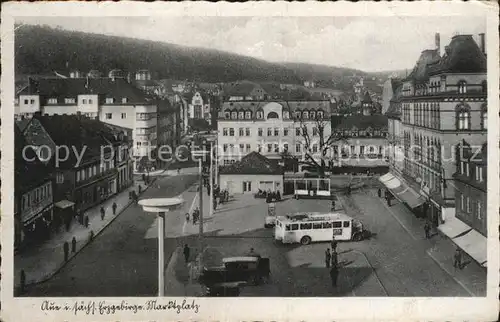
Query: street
pixel 122 262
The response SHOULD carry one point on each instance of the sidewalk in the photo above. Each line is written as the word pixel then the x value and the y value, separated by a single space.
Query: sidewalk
pixel 180 277
pixel 42 262
pixel 441 249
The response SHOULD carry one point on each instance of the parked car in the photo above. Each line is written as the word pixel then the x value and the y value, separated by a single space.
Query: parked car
pixel 247 269
pixel 224 289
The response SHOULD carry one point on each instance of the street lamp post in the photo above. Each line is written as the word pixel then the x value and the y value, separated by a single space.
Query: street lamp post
pixel 160 206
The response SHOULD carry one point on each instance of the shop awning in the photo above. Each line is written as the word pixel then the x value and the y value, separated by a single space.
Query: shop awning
pixel 63 204
pixel 386 177
pixel 393 183
pixel 453 227
pixel 474 244
pixel 412 199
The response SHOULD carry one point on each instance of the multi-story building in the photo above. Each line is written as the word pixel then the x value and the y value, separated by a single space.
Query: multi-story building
pixel 443 101
pixel 33 195
pixel 470 182
pixel 394 135
pixel 112 100
pixel 95 166
pixel 271 128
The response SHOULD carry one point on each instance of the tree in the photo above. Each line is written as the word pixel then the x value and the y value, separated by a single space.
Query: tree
pixel 317 142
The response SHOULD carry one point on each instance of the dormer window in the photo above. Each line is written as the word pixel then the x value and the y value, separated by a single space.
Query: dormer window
pixel 297 115
pixel 320 114
pixel 234 115
pixel 69 100
pixel 227 115
pixel 124 100
pixel 248 115
pixel 305 115
pixel 313 115
pixel 52 101
pixel 110 100
pixel 260 115
pixel 241 115
pixel 286 115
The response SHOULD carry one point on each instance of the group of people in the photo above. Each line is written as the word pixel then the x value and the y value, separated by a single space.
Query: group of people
pixel 195 217
pixel 332 262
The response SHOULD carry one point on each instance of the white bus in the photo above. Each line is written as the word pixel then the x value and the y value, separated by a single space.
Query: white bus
pixel 310 227
pixel 312 188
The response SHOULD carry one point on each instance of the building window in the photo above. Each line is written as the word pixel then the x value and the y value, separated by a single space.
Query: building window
pixel 231 131
pixel 259 148
pixel 462 87
pixel 241 131
pixel 242 147
pixel 467 169
pixel 484 117
pixel 315 131
pixel 361 150
pixel 248 115
pixel 247 131
pixel 110 100
pixel 315 148
pixel 276 131
pixel 124 100
pixel 462 202
pixel 463 117
pixel 109 116
pixel 468 205
pixel 69 100
pixel 320 114
pixel 297 131
pixel 124 115
pixel 276 148
pixel 285 131
pixel 297 115
pixel 285 147
pixel 269 131
pixel 269 148
pixel 248 147
pixel 286 115
pixel 272 115
pixel 224 147
pixel 259 131
pixel 297 148
pixel 234 115
pixel 227 115
pixel 313 115
pixel 479 210
pixel 241 115
pixel 224 131
pixel 305 115
pixel 260 115
pixel 26 102
pixel 90 101
pixel 54 101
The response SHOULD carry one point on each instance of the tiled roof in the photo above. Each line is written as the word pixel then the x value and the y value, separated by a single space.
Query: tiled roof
pixel 72 87
pixel 287 105
pixel 367 98
pixel 420 72
pixel 253 163
pixel 362 122
pixel 78 132
pixel 462 55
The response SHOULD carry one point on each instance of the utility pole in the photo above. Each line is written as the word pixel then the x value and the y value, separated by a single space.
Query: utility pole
pixel 211 181
pixel 200 220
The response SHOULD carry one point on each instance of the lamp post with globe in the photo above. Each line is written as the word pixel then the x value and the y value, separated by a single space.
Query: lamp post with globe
pixel 160 206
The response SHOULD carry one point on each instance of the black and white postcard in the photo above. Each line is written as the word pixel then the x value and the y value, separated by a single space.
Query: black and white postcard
pixel 271 161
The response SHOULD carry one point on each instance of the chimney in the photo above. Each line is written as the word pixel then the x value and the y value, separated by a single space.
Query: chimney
pixel 437 40
pixel 482 44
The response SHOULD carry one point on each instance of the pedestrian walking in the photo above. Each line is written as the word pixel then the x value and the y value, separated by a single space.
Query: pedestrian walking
pixel 187 216
pixel 66 251
pixel 334 275
pixel 140 189
pixel 334 244
pixel 114 208
pixel 379 192
pixel 186 253
pixel 86 221
pixel 427 229
pixel 333 205
pixel 103 212
pixel 335 258
pixel 73 245
pixel 457 262
pixel 144 177
pixel 388 199
pixel 328 257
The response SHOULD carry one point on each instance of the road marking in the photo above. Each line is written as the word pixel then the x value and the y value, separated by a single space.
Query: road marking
pixel 449 273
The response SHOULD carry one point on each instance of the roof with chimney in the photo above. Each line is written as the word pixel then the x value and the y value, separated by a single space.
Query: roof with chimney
pixel 72 87
pixel 462 55
pixel 253 163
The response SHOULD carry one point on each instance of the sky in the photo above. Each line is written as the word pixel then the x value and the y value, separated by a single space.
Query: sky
pixel 365 43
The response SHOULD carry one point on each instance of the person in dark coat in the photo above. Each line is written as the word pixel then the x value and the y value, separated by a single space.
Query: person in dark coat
pixel 186 252
pixel 457 259
pixel 328 257
pixel 333 205
pixel 103 212
pixel 114 208
pixel 73 245
pixel 335 258
pixel 66 251
pixel 334 244
pixel 427 229
pixel 334 275
pixel 379 192
pixel 278 195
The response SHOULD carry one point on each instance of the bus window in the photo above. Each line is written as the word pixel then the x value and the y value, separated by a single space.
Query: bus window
pixel 337 224
pixel 346 224
pixel 317 225
pixel 295 226
pixel 287 227
pixel 327 225
pixel 306 226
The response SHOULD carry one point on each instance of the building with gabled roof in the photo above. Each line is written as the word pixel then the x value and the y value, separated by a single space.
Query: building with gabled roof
pixel 252 173
pixel 442 102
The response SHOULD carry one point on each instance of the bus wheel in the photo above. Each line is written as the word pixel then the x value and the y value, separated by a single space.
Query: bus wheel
pixel 306 240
